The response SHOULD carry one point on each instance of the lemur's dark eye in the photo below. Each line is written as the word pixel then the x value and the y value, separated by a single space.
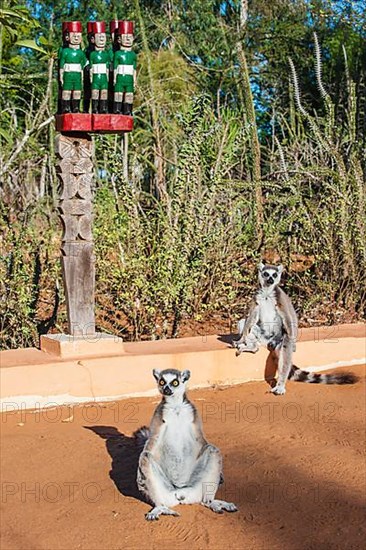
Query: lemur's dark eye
pixel 175 383
pixel 274 275
pixel 161 383
pixel 266 275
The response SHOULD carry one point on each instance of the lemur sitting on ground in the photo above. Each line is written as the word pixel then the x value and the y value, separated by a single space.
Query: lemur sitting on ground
pixel 177 464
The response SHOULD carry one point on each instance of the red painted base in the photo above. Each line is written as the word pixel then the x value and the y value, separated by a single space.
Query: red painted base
pixel 74 122
pixel 100 124
pixel 112 124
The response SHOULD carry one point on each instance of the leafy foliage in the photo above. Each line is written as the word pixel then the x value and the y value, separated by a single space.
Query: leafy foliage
pixel 238 154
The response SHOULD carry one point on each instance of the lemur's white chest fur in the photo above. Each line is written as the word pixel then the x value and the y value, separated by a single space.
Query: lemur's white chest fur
pixel 178 445
pixel 269 322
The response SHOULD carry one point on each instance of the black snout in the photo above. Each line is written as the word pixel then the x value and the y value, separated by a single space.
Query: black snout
pixel 167 391
pixel 270 281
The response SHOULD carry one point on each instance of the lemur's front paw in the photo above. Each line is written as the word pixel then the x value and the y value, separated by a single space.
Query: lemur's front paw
pixel 229 507
pixel 235 343
pixel 219 506
pixel 278 390
pixel 158 511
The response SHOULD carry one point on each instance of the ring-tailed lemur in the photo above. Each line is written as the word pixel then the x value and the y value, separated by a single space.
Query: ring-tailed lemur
pixel 272 322
pixel 177 464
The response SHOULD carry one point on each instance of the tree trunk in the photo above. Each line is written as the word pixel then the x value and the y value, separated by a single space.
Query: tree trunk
pixel 251 118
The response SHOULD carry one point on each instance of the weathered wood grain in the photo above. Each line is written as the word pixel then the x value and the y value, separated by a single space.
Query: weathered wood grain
pixel 75 172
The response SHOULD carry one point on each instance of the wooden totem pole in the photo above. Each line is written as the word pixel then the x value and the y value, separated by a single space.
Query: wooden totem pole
pixel 75 170
pixel 74 148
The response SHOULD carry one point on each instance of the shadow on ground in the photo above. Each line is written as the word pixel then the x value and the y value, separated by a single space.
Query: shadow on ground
pixel 124 452
pixel 228 338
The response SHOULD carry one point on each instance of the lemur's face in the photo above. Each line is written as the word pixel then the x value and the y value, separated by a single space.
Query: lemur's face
pixel 269 275
pixel 171 382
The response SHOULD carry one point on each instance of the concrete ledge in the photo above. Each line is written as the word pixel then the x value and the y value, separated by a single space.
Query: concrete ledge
pixel 32 378
pixel 66 346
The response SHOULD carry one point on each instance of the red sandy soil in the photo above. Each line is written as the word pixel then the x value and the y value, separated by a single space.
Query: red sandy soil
pixel 294 465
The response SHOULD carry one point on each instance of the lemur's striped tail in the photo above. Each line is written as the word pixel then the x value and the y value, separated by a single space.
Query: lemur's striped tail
pixel 299 375
pixel 141 436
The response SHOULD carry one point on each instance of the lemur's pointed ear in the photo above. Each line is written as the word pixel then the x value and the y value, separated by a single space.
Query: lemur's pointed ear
pixel 156 374
pixel 260 266
pixel 186 374
pixel 280 269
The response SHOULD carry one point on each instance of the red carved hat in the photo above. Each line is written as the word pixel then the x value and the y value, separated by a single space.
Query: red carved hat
pixel 73 26
pixel 125 27
pixel 113 25
pixel 98 26
pixel 89 27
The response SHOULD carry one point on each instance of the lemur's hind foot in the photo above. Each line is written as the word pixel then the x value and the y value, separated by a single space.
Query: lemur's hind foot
pixel 278 390
pixel 158 511
pixel 220 506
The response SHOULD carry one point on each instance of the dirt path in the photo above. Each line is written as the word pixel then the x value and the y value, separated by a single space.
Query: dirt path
pixel 295 466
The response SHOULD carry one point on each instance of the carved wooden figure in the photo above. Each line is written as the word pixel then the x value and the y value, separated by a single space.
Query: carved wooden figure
pixel 74 150
pixel 124 63
pixel 100 60
pixel 64 45
pixel 75 170
pixel 87 51
pixel 71 64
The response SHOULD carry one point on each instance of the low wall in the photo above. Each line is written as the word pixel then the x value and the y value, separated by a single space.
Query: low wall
pixel 31 378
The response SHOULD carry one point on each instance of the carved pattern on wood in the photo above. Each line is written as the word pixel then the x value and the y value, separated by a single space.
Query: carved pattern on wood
pixel 75 172
pixel 78 186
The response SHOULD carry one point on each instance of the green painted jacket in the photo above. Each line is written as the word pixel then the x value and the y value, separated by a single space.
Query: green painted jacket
pixel 70 58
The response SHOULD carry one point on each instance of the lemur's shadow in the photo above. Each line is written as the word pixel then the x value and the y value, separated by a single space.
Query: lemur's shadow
pixel 271 361
pixel 228 338
pixel 124 452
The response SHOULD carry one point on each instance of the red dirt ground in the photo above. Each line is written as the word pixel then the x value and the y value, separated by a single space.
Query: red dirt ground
pixel 294 465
